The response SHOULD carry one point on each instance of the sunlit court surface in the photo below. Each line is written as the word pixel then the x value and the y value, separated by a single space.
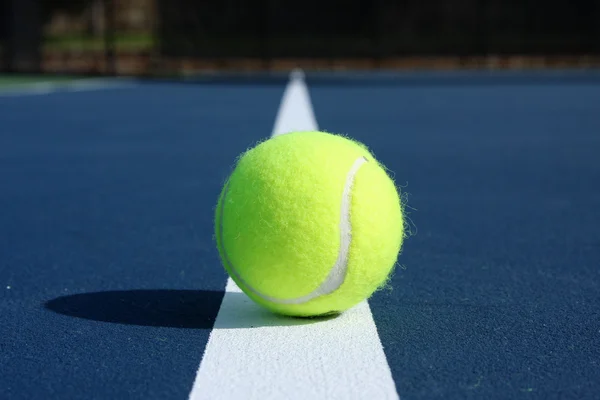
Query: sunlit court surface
pixel 112 286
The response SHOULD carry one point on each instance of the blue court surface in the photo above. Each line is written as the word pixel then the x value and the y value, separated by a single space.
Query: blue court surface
pixel 111 284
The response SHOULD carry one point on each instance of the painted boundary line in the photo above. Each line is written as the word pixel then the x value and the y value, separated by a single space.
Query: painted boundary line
pixel 80 85
pixel 253 354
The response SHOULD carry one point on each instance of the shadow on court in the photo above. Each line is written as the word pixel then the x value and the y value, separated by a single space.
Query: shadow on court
pixel 187 309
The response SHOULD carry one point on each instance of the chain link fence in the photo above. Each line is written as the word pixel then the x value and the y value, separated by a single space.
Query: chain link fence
pixel 157 37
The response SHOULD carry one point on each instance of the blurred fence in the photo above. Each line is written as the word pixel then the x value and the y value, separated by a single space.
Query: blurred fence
pixel 171 36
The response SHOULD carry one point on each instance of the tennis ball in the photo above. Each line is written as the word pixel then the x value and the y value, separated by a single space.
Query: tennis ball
pixel 309 224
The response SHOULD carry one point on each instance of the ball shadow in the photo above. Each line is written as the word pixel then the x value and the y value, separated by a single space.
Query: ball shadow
pixel 187 309
pixel 192 309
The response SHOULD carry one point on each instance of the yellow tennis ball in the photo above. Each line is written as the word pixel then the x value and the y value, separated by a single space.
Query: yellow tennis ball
pixel 309 223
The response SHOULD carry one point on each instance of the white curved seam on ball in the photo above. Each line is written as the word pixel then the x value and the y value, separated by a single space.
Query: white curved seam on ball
pixel 337 274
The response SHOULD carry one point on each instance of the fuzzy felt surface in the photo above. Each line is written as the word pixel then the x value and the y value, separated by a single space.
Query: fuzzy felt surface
pixel 278 221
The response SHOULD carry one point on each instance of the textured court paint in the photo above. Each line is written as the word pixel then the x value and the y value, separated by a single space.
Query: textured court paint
pixel 253 354
pixel 106 203
pixel 498 296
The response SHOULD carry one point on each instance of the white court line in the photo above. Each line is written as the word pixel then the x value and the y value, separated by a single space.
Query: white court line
pixel 253 354
pixel 80 85
pixel 84 85
pixel 295 111
pixel 40 88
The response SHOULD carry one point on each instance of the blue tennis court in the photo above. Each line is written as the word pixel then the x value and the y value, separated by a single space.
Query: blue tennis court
pixel 111 284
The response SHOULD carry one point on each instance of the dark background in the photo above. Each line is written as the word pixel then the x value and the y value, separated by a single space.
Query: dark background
pixel 153 36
